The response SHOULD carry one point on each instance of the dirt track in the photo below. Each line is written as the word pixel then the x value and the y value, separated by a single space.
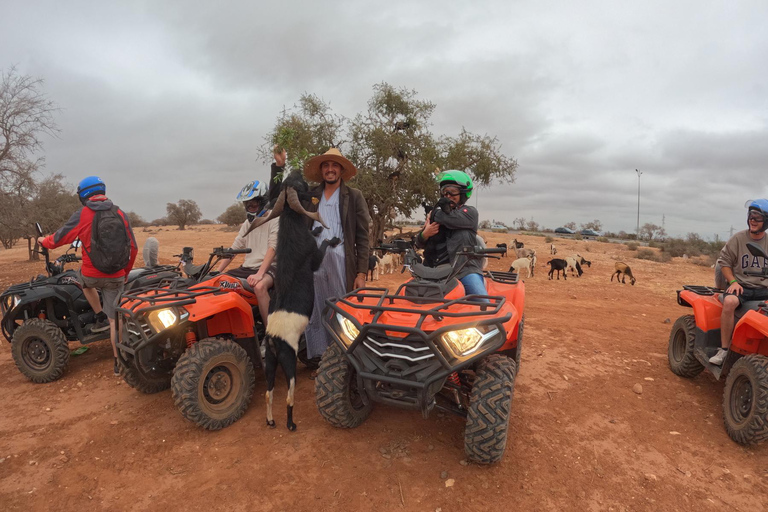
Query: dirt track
pixel 581 438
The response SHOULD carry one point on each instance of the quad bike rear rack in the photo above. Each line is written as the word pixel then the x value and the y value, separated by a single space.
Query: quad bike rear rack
pixel 707 291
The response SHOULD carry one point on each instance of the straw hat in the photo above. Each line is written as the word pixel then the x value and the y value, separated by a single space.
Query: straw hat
pixel 312 167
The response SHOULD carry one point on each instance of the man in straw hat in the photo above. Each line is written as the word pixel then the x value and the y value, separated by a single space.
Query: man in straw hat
pixel 346 213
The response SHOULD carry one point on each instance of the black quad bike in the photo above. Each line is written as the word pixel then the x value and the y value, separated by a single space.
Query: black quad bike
pixel 695 338
pixel 429 345
pixel 41 316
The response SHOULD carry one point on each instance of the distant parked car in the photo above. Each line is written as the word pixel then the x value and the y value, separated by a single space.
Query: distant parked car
pixel 589 232
pixel 565 231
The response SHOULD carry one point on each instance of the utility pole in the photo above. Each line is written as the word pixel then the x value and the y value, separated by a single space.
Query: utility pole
pixel 639 173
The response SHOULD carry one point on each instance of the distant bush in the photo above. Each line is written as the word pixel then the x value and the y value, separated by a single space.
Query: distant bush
pixel 532 233
pixel 632 246
pixel 602 239
pixel 651 255
pixel 206 222
pixel 577 236
pixel 655 244
pixel 549 239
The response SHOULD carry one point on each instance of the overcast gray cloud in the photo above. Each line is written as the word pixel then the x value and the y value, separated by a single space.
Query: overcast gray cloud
pixel 170 100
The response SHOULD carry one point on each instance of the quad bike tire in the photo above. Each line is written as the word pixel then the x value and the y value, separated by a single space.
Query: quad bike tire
pixel 145 381
pixel 212 384
pixel 336 393
pixel 682 360
pixel 745 400
pixel 485 434
pixel 40 350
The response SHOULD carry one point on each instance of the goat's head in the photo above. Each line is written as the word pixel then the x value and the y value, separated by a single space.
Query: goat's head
pixel 632 280
pixel 293 191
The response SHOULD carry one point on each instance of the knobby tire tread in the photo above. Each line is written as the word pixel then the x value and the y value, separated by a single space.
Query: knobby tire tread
pixel 485 434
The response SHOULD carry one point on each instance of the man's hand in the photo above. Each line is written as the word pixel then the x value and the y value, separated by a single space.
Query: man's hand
pixel 359 281
pixel 254 279
pixel 735 289
pixel 280 156
pixel 430 229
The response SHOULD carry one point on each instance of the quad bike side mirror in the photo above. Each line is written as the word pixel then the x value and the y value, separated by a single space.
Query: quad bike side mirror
pixel 756 250
pixel 76 244
pixel 39 229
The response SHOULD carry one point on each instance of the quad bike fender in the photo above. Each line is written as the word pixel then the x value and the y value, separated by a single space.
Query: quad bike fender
pixel 225 313
pixel 706 309
pixel 750 336
pixel 45 301
pixel 515 296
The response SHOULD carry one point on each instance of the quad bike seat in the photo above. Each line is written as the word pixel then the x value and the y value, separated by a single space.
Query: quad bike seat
pixel 437 273
pixel 750 305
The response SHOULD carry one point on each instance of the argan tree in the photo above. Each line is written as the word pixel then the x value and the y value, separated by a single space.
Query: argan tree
pixel 183 213
pixel 391 144
pixel 233 216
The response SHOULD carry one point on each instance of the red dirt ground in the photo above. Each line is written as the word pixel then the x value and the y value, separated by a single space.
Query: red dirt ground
pixel 581 439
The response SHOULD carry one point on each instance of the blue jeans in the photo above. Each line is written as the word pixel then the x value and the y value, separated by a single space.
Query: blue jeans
pixel 474 284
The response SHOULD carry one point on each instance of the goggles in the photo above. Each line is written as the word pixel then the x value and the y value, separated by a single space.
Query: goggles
pixel 449 190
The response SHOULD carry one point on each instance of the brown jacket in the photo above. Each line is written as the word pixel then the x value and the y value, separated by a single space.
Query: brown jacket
pixel 355 222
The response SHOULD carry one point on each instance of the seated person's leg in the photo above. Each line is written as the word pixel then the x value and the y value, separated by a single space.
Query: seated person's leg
pixel 474 284
pixel 262 294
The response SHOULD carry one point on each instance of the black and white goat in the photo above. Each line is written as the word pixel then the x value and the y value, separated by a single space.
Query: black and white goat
pixel 298 257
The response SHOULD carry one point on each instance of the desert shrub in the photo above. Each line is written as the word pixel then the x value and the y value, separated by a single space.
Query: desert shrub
pixel 632 246
pixel 205 222
pixel 549 239
pixel 577 236
pixel 602 239
pixel 651 255
pixel 532 233
pixel 654 244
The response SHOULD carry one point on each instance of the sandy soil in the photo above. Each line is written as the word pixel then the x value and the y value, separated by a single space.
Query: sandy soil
pixel 581 439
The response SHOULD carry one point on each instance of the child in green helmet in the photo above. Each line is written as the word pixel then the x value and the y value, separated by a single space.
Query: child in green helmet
pixel 458 221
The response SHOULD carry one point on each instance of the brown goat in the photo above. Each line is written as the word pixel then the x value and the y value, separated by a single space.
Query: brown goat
pixel 623 268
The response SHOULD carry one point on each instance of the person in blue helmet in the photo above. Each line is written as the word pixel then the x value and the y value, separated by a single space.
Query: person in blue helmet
pixel 259 266
pixel 456 221
pixel 109 250
pixel 734 259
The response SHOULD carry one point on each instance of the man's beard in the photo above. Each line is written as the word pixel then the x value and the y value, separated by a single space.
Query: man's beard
pixel 332 182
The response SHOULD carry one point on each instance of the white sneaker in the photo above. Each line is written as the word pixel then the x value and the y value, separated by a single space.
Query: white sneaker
pixel 718 358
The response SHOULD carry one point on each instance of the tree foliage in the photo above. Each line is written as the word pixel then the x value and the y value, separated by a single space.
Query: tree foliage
pixel 652 231
pixel 233 216
pixel 393 148
pixel 183 213
pixel 570 225
pixel 25 115
pixel 595 225
pixel 136 220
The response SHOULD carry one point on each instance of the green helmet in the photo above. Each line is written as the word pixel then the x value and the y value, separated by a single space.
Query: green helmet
pixel 460 179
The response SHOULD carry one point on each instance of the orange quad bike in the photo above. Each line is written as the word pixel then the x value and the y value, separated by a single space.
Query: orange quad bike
pixel 427 346
pixel 196 335
pixel 695 338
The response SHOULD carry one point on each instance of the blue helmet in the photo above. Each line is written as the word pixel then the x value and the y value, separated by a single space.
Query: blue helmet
pixel 90 186
pixel 760 206
pixel 253 190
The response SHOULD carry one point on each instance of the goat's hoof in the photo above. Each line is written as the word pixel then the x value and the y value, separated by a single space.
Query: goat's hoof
pixel 271 423
pixel 292 427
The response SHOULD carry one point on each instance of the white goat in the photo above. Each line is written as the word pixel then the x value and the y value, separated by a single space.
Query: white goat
pixel 520 264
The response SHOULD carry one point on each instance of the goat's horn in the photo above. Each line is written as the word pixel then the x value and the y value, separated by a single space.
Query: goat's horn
pixel 277 210
pixel 293 201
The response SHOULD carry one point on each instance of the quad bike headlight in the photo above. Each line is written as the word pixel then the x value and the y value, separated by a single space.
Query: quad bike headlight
pixel 348 329
pixel 162 319
pixel 10 302
pixel 464 342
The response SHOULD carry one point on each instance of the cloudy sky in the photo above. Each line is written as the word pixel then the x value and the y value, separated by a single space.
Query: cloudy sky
pixel 170 100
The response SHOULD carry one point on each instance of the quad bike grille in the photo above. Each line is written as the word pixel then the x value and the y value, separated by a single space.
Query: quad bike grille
pixel 404 349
